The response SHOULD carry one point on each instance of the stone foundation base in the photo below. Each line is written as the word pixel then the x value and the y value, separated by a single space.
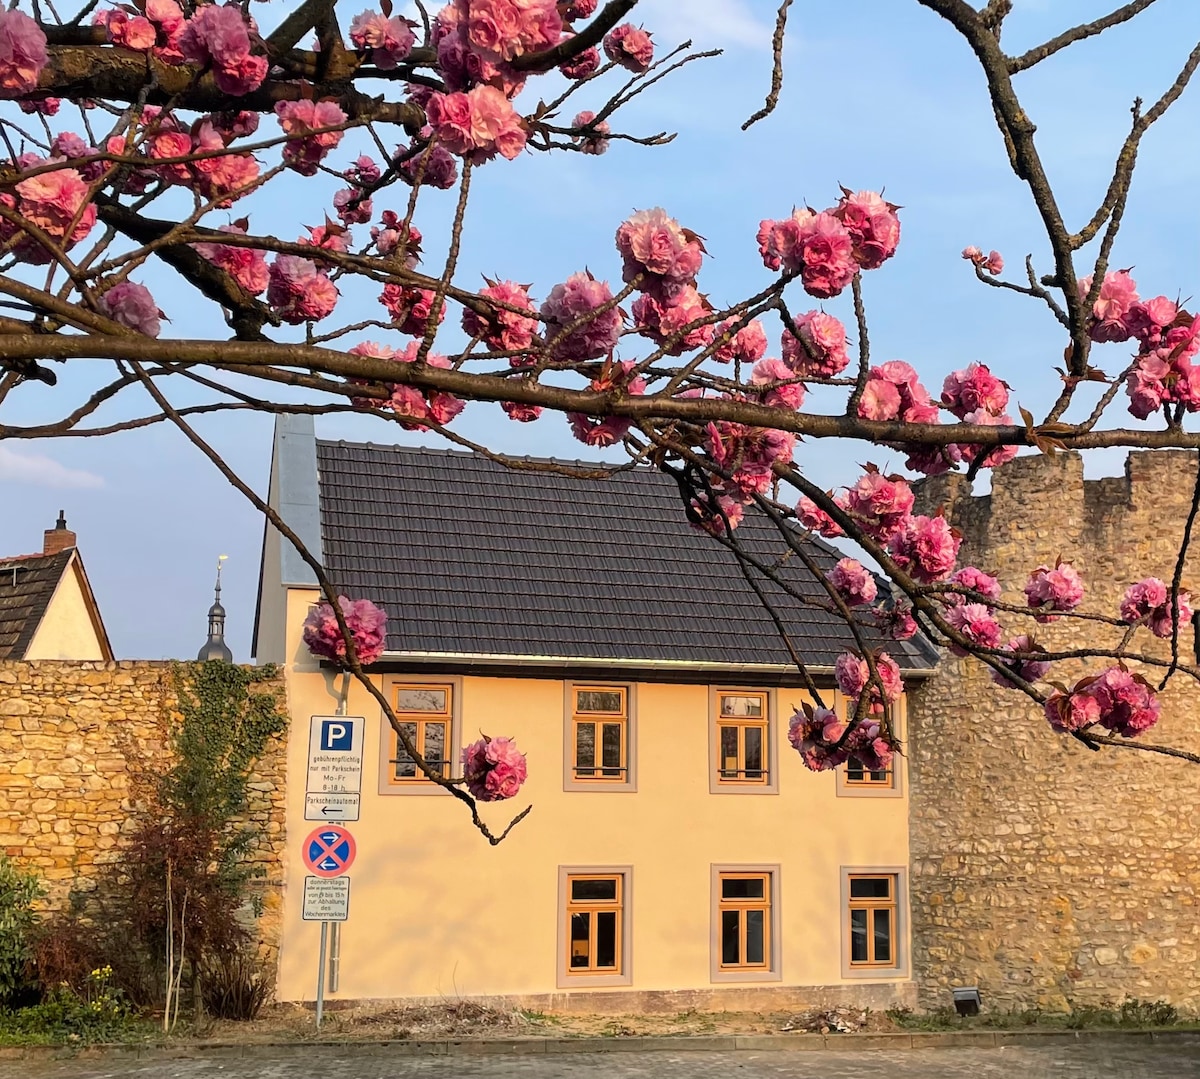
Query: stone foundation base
pixel 777 998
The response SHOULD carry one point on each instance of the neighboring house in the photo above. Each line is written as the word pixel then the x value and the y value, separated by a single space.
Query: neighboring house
pixel 47 609
pixel 676 844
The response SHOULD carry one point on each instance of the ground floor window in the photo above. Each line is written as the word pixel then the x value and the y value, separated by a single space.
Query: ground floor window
pixel 872 916
pixel 595 931
pixel 746 936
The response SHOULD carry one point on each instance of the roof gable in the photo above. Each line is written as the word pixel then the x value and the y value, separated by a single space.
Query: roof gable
pixel 472 558
pixel 27 584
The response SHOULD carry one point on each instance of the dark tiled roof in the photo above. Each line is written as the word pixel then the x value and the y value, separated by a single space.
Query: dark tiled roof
pixel 469 557
pixel 27 584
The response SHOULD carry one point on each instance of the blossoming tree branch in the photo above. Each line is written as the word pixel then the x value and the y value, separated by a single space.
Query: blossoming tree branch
pixel 137 131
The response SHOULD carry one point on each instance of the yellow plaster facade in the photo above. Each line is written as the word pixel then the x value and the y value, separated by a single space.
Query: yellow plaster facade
pixel 435 911
pixel 68 628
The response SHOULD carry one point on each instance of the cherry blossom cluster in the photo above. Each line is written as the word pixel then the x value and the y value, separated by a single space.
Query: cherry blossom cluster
pixel 1118 699
pixel 367 625
pixel 828 249
pixel 493 769
pixel 824 741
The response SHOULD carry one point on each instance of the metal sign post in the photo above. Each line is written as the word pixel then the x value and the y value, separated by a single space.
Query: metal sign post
pixel 328 853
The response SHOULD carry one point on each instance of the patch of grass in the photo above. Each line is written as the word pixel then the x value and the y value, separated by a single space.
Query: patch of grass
pixel 1132 1014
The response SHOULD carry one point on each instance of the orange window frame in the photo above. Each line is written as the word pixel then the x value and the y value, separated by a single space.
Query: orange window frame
pixel 744 905
pixel 742 724
pixel 592 908
pixel 421 721
pixel 598 772
pixel 873 905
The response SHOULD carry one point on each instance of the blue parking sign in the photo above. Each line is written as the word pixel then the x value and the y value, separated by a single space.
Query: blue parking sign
pixel 337 735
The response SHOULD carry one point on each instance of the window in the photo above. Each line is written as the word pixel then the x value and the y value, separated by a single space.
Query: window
pixel 853 780
pixel 740 742
pixel 594 926
pixel 874 901
pixel 745 944
pixel 599 736
pixel 427 712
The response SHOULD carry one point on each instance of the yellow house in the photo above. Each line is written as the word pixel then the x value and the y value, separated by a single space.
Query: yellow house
pixel 677 854
pixel 47 609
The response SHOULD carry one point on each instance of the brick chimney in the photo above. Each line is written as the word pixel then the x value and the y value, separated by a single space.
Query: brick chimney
pixel 58 538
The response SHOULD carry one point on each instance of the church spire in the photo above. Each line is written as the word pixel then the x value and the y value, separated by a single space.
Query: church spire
pixel 215 647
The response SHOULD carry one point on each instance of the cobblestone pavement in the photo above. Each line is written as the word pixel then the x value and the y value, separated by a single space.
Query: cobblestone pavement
pixel 1176 1059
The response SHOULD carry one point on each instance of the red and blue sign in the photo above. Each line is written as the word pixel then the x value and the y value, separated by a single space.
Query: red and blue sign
pixel 329 851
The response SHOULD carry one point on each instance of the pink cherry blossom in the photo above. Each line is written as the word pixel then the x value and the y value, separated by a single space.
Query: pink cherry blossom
pixel 781 390
pixel 816 734
pixel 367 625
pixel 872 224
pixel 393 235
pixel 712 518
pixel 305 150
pixel 376 352
pixel 585 64
pixel 972 389
pixel 593 141
pixel 977 581
pixel 494 769
pixel 881 504
pixel 853 675
pixel 747 345
pixel 1149 319
pixel 896 620
pixel 617 377
pixel 866 744
pixel 390 40
pixel 749 453
pixel 436 167
pixel 477 124
pixel 410 307
pixel 994 263
pixel 506 331
pixel 221 178
pixel 820 349
pixel 1110 312
pixel 811 516
pixel 666 256
pixel 976 623
pixel 574 300
pixel 299 290
pixel 128 31
pixel 826 256
pixel 22 53
pixel 927 547
pixel 247 265
pixel 675 320
pixel 1149 601
pixel 56 202
pixel 630 46
pixel 1031 670
pixel 217 36
pixel 1164 373
pixel 1071 712
pixel 578 9
pixel 1128 704
pixel 853 581
pixel 519 412
pixel 1053 589
pixel 993 456
pixel 131 305
pixel 893 391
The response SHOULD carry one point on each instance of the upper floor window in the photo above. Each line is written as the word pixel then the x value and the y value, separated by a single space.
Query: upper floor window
pixel 426 714
pixel 599 736
pixel 853 780
pixel 741 741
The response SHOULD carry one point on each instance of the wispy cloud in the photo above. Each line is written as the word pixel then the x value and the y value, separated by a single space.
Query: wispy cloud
pixel 36 468
pixel 708 23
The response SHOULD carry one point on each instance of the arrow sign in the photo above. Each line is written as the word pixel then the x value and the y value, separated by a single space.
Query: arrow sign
pixel 329 851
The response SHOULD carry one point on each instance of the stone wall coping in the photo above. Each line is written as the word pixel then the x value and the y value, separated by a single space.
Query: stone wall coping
pixel 724 1043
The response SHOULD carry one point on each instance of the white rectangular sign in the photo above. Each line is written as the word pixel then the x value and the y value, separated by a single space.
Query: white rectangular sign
pixel 326 900
pixel 335 764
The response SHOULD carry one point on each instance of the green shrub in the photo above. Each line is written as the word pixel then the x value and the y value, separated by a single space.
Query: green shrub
pixel 18 890
pixel 99 1014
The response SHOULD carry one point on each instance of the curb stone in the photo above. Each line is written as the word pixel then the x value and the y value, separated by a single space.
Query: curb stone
pixel 978 1039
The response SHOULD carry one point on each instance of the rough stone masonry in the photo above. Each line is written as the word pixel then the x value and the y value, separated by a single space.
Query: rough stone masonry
pixel 75 738
pixel 1047 874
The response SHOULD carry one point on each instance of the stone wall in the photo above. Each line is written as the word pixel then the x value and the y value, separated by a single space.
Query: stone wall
pixel 77 740
pixel 1043 872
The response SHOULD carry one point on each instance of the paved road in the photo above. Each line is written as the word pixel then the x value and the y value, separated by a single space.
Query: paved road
pixel 1177 1059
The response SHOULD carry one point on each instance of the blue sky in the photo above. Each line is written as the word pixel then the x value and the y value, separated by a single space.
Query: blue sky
pixel 878 93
